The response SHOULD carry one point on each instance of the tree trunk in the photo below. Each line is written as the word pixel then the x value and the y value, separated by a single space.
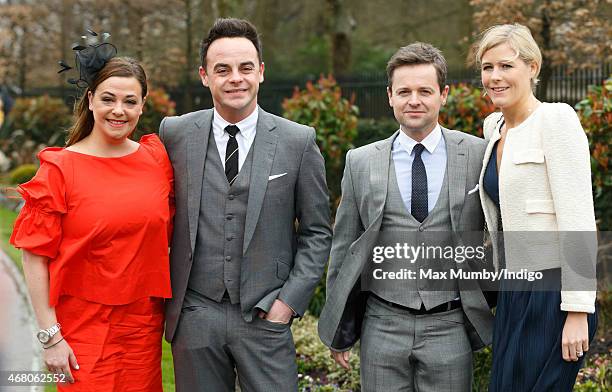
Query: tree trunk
pixel 136 15
pixel 221 9
pixel 340 31
pixel 189 63
pixel 65 32
pixel 546 71
pixel 23 58
pixel 266 18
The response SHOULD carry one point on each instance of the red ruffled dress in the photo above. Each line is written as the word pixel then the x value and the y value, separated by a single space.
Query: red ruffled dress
pixel 104 224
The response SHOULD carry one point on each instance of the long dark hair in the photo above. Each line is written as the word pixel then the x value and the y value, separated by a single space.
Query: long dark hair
pixel 83 117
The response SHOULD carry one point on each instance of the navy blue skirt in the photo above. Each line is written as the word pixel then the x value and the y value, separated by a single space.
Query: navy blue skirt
pixel 527 343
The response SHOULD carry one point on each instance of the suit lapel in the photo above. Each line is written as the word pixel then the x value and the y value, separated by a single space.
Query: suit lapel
pixel 379 177
pixel 457 155
pixel 197 145
pixel 264 148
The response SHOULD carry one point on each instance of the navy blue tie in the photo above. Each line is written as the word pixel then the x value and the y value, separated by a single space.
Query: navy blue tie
pixel 419 185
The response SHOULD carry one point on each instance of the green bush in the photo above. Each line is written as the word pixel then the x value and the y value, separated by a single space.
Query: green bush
pixel 596 375
pixel 19 149
pixel 483 360
pixel 157 106
pixel 23 173
pixel 370 130
pixel 334 118
pixel 318 298
pixel 43 119
pixel 465 109
pixel 595 112
pixel 317 371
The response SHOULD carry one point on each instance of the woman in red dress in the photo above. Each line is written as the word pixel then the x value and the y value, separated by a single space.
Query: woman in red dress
pixel 94 232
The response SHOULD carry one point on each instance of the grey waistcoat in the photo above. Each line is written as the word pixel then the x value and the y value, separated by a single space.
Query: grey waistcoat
pixel 218 249
pixel 398 225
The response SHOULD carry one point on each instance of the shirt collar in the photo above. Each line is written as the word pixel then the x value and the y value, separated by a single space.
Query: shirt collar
pixel 247 126
pixel 430 142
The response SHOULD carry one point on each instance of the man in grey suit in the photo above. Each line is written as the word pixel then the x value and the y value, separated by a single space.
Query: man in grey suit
pixel 251 231
pixel 415 335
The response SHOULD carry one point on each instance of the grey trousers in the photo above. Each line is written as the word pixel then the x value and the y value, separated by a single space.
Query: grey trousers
pixel 405 352
pixel 213 343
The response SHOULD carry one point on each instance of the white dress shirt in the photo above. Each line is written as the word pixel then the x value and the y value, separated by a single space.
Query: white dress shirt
pixel 244 138
pixel 434 159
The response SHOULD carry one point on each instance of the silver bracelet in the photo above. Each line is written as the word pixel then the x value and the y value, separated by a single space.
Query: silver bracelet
pixel 53 344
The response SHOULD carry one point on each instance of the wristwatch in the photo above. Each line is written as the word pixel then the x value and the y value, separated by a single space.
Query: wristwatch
pixel 44 335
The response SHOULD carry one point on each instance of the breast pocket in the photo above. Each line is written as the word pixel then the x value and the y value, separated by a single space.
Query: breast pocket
pixel 280 190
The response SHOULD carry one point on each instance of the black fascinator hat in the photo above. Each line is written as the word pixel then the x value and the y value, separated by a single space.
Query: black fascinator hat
pixel 90 59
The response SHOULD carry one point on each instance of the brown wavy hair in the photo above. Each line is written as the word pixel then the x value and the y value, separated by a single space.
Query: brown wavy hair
pixel 83 117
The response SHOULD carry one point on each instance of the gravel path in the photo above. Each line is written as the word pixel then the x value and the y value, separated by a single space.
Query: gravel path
pixel 19 349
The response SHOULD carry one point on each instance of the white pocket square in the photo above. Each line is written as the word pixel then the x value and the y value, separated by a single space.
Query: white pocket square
pixel 276 176
pixel 473 190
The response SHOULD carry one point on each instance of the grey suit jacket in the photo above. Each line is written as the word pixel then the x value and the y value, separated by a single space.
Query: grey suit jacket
pixel 281 258
pixel 364 190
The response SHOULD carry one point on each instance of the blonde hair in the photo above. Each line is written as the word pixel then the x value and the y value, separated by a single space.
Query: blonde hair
pixel 518 37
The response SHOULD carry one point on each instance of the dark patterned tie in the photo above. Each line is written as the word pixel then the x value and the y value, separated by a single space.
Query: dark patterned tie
pixel 231 154
pixel 419 185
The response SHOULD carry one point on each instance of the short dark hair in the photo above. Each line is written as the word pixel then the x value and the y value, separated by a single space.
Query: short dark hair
pixel 418 53
pixel 230 28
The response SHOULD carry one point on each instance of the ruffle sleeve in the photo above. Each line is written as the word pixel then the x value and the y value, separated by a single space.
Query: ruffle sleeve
pixel 38 227
pixel 155 147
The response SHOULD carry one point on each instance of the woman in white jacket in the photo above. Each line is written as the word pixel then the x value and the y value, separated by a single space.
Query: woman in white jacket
pixel 536 177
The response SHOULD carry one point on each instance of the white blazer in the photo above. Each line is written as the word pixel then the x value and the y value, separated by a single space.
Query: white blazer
pixel 545 186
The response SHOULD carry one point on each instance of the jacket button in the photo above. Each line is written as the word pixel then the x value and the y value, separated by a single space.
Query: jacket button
pixel 228 258
pixel 421 228
pixel 231 197
pixel 229 238
pixel 229 217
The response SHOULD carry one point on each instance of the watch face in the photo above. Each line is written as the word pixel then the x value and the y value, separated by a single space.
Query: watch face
pixel 43 336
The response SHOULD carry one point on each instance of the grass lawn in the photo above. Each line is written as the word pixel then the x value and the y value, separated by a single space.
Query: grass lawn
pixel 7 218
pixel 167 367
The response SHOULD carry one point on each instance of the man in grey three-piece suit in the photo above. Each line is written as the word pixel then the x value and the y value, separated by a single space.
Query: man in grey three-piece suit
pixel 423 179
pixel 251 231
